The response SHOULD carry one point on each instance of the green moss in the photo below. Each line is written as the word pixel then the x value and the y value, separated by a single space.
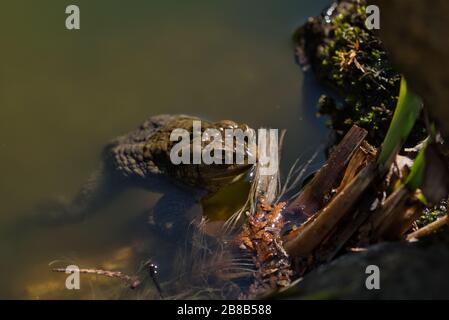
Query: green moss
pixel 347 56
pixel 432 214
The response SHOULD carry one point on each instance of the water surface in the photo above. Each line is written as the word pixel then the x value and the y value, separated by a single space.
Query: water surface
pixel 64 94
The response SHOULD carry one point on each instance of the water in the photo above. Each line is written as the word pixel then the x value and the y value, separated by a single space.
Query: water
pixel 64 94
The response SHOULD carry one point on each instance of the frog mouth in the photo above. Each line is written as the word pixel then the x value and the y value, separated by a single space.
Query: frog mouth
pixel 229 173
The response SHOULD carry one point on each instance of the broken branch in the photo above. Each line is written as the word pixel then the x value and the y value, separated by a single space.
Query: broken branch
pixel 316 231
pixel 429 229
pixel 315 194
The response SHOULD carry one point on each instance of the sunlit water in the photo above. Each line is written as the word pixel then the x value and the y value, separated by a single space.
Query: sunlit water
pixel 64 94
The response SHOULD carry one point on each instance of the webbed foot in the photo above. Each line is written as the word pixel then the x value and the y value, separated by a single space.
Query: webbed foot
pixel 175 213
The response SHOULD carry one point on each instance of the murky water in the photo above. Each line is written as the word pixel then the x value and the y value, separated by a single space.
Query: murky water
pixel 64 94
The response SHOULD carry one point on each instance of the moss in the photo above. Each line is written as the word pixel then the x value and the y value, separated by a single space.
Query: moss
pixel 432 214
pixel 351 59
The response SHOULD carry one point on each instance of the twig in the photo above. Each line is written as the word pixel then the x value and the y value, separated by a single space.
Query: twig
pixel 317 229
pixel 429 229
pixel 314 196
pixel 386 217
pixel 152 270
pixel 132 281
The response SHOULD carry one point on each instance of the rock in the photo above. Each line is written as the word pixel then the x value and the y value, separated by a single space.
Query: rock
pixel 416 34
pixel 407 271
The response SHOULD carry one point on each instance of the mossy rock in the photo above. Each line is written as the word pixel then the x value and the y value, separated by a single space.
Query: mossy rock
pixel 352 60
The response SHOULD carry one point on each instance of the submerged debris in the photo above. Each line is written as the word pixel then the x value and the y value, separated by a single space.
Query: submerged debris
pixel 261 236
pixel 132 281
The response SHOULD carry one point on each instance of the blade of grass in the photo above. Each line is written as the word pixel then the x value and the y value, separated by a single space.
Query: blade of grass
pixel 407 111
pixel 415 177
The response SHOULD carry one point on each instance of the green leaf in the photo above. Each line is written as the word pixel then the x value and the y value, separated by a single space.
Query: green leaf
pixel 416 175
pixel 407 111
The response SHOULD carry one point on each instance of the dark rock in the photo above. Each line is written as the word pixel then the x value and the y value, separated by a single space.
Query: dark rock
pixel 407 271
pixel 416 35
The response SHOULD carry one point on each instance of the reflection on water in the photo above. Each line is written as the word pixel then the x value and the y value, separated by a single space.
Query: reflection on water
pixel 64 94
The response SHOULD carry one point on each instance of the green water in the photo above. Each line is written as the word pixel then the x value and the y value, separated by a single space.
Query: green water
pixel 63 94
